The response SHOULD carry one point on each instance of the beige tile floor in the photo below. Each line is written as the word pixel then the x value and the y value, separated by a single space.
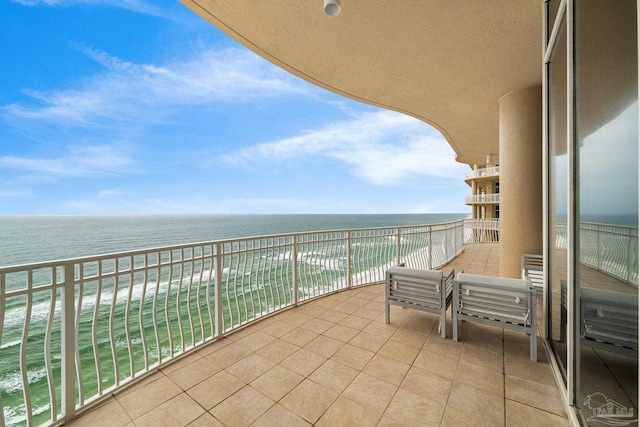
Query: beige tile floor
pixel 334 362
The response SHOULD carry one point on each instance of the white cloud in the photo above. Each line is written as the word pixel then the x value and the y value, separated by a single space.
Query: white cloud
pixel 79 162
pixel 103 202
pixel 382 148
pixel 83 206
pixel 104 194
pixel 132 5
pixel 128 92
pixel 5 194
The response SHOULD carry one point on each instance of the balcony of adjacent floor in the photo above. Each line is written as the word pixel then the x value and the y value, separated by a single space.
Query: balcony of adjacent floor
pixel 483 174
pixel 334 361
pixel 483 199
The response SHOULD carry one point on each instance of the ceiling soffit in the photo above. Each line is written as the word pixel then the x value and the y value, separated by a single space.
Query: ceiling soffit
pixel 446 62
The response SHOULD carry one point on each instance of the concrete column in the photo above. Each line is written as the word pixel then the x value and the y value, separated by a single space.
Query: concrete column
pixel 520 123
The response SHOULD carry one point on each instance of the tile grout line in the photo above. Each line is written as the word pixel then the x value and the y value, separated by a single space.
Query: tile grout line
pixel 504 384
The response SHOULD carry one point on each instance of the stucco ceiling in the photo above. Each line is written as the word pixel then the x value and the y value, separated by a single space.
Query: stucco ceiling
pixel 446 62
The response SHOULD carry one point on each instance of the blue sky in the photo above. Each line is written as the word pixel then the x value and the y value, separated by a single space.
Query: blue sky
pixel 129 107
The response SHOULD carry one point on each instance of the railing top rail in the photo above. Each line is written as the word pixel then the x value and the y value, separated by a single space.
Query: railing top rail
pixel 599 224
pixel 483 198
pixel 483 172
pixel 564 221
pixel 211 243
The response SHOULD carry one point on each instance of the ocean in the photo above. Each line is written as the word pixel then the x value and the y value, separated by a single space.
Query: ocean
pixel 30 239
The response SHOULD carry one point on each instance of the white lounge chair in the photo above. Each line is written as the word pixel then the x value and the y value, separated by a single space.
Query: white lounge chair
pixel 496 301
pixel 532 269
pixel 426 290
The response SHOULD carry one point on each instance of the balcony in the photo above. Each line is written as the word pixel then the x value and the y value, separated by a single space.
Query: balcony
pixel 74 332
pixel 483 199
pixel 273 330
pixel 333 361
pixel 479 174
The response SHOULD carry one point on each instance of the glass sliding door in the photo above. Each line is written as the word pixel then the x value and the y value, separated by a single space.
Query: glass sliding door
pixel 591 218
pixel 557 196
pixel 606 59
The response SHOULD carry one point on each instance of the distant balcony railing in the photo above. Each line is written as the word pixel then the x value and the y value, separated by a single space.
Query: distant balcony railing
pixel 482 199
pixel 481 230
pixel 482 173
pixel 611 249
pixel 72 332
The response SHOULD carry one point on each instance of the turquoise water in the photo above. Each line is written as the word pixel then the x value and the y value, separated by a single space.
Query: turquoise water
pixel 35 239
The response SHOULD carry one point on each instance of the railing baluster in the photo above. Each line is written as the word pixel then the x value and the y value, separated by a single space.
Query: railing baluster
pixel 328 262
pixel 373 254
pixel 69 344
pixel 94 330
pixel 47 346
pixel 212 282
pixel 166 304
pixel 233 261
pixel 154 313
pixel 430 261
pixel 321 263
pixel 112 320
pixel 331 262
pixel 335 262
pixel 349 262
pixel 23 351
pixel 302 265
pixel 309 246
pixel 76 327
pixel 199 302
pixel 250 275
pixel 268 283
pixel 228 285
pixel 398 244
pixel 127 326
pixel 317 279
pixel 143 298
pixel 449 245
pixel 277 264
pixel 294 270
pixel 272 262
pixel 189 311
pixel 242 270
pixel 310 277
pixel 219 314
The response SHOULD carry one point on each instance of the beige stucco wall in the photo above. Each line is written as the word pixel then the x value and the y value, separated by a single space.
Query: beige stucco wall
pixel 520 130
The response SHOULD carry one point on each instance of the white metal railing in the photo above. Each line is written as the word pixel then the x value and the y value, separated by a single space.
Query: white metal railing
pixel 481 230
pixel 482 173
pixel 482 198
pixel 612 249
pixel 74 331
